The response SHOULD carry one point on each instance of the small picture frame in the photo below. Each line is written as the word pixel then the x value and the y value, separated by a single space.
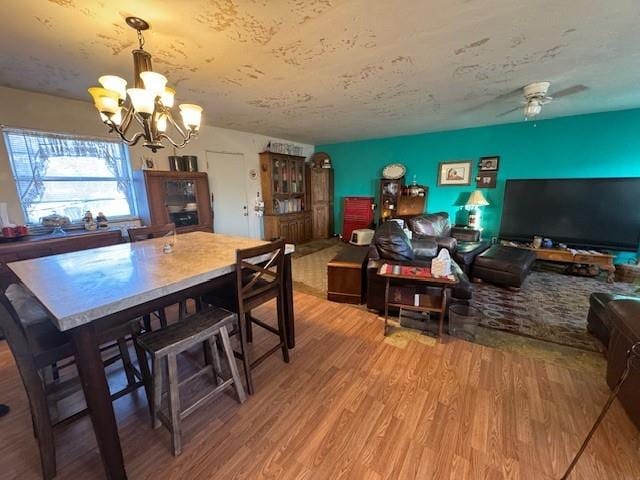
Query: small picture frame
pixel 486 179
pixel 454 173
pixel 489 164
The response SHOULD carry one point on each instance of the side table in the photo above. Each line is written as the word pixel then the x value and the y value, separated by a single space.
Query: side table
pixel 428 303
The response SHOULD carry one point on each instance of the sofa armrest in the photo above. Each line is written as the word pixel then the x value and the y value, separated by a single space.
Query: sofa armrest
pixel 464 234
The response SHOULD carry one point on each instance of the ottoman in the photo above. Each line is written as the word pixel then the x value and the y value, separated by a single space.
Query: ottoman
pixel 598 318
pixel 502 265
pixel 624 315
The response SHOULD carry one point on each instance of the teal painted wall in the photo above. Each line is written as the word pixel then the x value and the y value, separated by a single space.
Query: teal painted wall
pixel 595 145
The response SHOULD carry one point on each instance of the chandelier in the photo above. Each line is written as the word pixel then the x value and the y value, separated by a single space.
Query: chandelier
pixel 147 105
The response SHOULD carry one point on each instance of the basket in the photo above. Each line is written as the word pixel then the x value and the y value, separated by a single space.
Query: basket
pixel 627 273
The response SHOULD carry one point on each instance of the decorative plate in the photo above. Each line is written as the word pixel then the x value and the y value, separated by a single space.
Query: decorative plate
pixel 394 171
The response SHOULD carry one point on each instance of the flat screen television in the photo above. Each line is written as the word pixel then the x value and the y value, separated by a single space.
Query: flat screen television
pixel 585 212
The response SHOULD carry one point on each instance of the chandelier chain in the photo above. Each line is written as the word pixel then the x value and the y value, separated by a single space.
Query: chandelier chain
pixel 140 39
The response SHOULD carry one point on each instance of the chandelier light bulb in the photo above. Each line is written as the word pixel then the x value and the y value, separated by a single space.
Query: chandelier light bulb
pixel 154 83
pixel 168 97
pixel 115 84
pixel 116 118
pixel 191 115
pixel 142 100
pixel 161 122
pixel 106 101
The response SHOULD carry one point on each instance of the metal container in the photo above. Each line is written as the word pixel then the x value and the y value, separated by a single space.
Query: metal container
pixel 176 163
pixel 190 162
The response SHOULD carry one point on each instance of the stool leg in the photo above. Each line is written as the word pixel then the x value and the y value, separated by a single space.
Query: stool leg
pixel 213 353
pixel 174 406
pixel 245 354
pixel 232 364
pixel 157 391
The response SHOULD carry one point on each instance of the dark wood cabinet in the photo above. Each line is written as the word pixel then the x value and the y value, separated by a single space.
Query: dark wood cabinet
pixel 320 201
pixel 174 197
pixel 45 245
pixel 283 192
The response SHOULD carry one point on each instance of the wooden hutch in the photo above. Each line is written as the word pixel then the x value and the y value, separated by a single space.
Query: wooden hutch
pixel 283 192
pixel 174 197
pixel 398 200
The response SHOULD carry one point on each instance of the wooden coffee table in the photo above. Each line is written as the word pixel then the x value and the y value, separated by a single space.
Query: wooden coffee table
pixel 428 303
pixel 575 256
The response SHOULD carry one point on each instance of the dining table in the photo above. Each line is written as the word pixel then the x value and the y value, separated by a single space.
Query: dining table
pixel 80 290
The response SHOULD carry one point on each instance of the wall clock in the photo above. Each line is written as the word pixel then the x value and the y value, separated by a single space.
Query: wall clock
pixel 394 171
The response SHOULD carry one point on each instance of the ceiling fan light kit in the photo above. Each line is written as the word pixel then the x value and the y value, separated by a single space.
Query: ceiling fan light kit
pixel 148 104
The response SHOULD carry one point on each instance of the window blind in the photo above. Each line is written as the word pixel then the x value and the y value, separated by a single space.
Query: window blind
pixel 68 175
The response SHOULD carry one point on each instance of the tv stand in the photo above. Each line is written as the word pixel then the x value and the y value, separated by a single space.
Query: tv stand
pixel 570 255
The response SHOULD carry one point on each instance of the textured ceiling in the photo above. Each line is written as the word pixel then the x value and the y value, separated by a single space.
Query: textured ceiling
pixel 327 70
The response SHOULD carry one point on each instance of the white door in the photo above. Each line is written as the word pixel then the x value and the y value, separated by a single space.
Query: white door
pixel 227 181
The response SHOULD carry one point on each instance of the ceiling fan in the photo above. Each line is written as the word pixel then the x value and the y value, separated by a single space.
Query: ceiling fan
pixel 535 96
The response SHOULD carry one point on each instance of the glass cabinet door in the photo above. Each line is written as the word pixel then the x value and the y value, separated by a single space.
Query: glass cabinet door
pixel 181 202
pixel 276 175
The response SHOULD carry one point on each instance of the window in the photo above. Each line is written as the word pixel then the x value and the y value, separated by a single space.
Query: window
pixel 69 175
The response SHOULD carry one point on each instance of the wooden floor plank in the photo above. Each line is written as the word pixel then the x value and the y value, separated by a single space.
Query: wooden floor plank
pixel 352 406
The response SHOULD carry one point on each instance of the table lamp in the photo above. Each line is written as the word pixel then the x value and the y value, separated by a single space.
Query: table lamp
pixel 475 201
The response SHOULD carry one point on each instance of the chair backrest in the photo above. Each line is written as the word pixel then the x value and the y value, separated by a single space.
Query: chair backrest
pixel 16 337
pixel 257 284
pixel 145 233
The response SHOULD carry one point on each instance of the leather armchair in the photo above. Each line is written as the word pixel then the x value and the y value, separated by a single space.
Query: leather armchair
pixel 392 244
pixel 463 243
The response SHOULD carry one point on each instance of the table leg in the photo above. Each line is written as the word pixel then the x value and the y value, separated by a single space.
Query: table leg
pixel 289 317
pixel 386 305
pixel 96 392
pixel 443 312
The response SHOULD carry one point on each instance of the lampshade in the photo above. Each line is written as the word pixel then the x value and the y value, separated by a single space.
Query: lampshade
pixel 167 97
pixel 532 109
pixel 106 101
pixel 476 199
pixel 154 83
pixel 142 100
pixel 191 115
pixel 115 84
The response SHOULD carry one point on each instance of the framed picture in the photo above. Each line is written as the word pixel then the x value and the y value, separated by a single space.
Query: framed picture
pixel 454 173
pixel 486 179
pixel 489 163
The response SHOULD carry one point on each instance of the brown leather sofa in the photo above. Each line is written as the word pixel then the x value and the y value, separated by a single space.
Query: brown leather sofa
pixel 616 319
pixel 392 244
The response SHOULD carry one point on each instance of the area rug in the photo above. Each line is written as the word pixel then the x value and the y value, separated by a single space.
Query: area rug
pixel 309 272
pixel 551 307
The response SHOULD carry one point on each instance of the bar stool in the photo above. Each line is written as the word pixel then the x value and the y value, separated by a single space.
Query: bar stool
pixel 165 344
pixel 256 285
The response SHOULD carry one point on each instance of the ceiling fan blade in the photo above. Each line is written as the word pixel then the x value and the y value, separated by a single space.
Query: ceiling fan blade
pixel 570 91
pixel 508 112
pixel 499 98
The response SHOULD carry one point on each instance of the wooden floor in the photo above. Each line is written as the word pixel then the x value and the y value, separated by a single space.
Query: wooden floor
pixel 352 406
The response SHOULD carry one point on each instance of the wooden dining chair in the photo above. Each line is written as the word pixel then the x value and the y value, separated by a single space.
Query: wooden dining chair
pixel 36 344
pixel 254 286
pixel 139 234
